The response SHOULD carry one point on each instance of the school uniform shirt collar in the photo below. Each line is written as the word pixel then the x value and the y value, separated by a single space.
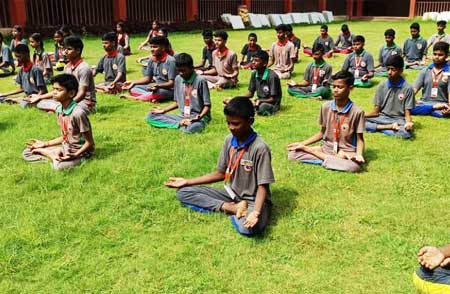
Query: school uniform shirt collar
pixel 360 54
pixel 221 53
pixel 26 67
pixel 76 64
pixel 390 47
pixel 66 111
pixel 162 58
pixel 191 79
pixel 283 43
pixel 113 54
pixel 400 83
pixel 344 110
pixel 251 137
pixel 265 75
pixel 445 68
pixel 318 65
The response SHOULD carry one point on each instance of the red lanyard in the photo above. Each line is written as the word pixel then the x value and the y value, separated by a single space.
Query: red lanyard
pixel 338 121
pixel 74 66
pixel 187 99
pixel 436 77
pixel 62 120
pixel 231 167
pixel 358 60
pixel 316 73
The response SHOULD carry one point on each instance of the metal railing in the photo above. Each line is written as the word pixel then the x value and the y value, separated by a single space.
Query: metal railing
pixel 431 6
pixel 162 10
pixel 76 13
pixel 5 21
pixel 212 9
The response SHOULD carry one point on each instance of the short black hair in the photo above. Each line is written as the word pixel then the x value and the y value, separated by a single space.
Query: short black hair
pixel 75 42
pixel 38 38
pixel 318 47
pixel 395 61
pixel 111 37
pixel 359 38
pixel 415 25
pixel 240 107
pixel 324 26
pixel 66 30
pixel 67 81
pixel 252 35
pixel 207 33
pixel 18 28
pixel 221 34
pixel 442 46
pixel 184 59
pixel 344 28
pixel 165 31
pixel 389 32
pixel 441 23
pixel 22 49
pixel 122 25
pixel 59 32
pixel 281 27
pixel 289 28
pixel 159 40
pixel 347 76
pixel 262 54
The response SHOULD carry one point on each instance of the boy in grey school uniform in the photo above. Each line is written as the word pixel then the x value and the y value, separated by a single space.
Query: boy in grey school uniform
pixel 30 80
pixel 360 64
pixel 440 36
pixel 393 102
pixel 414 49
pixel 434 81
pixel 191 95
pixel 316 78
pixel 388 50
pixel 245 167
pixel 325 40
pixel 112 64
pixel 342 128
pixel 282 53
pixel 345 39
pixel 7 66
pixel 76 142
pixel 266 83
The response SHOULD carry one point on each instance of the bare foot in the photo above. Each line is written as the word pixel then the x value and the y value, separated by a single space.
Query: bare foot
pixel 241 209
pixel 395 127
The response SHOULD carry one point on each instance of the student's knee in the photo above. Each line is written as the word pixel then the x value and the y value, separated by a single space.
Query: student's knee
pixel 371 127
pixel 238 225
pixel 266 109
pixel 340 164
pixel 196 127
pixel 184 193
pixel 404 134
pixel 435 281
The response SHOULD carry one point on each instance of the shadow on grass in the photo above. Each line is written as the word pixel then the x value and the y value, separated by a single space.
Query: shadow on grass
pixel 4 125
pixel 106 109
pixel 106 150
pixel 369 155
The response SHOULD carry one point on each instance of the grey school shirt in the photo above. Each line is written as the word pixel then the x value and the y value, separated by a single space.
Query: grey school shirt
pixel 414 49
pixel 162 71
pixel 266 85
pixel 439 38
pixel 111 66
pixel 327 42
pixel 73 122
pixel 425 81
pixel 386 52
pixel 32 81
pixel 207 55
pixel 394 99
pixel 325 71
pixel 84 75
pixel 254 169
pixel 6 55
pixel 199 96
pixel 366 64
pixel 345 41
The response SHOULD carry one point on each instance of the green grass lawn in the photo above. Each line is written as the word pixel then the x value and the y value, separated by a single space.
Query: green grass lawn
pixel 111 226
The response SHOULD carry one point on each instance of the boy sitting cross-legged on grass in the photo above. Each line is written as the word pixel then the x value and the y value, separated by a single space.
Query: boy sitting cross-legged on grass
pixel 393 102
pixel 76 141
pixel 157 84
pixel 30 80
pixel 112 65
pixel 342 127
pixel 435 85
pixel 244 166
pixel 266 83
pixel 433 276
pixel 316 78
pixel 191 95
pixel 388 50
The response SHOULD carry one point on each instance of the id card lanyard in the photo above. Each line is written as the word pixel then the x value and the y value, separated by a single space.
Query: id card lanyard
pixel 338 121
pixel 358 61
pixel 316 74
pixel 436 78
pixel 231 168
pixel 187 100
pixel 62 119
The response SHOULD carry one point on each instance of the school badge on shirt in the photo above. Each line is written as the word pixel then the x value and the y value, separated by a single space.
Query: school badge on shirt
pixel 394 53
pixel 115 67
pixel 419 46
pixel 445 77
pixel 164 71
pixel 194 93
pixel 32 80
pixel 321 72
pixel 266 89
pixel 401 96
pixel 363 64
pixel 345 126
pixel 247 164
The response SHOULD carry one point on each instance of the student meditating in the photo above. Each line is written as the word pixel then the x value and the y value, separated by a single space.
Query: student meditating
pixel 414 49
pixel 245 168
pixel 433 275
pixel 76 142
pixel 316 79
pixel 393 102
pixel 388 50
pixel 360 63
pixel 191 95
pixel 342 127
